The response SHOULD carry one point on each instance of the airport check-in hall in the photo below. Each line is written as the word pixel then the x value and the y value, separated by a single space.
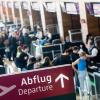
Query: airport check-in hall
pixel 50 49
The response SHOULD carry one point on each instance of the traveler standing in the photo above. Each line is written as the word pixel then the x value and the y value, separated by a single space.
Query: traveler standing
pixel 82 69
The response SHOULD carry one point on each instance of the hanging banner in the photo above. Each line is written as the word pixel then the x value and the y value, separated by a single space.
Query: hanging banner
pixel 38 84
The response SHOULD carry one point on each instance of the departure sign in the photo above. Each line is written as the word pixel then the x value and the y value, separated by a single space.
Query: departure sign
pixel 38 84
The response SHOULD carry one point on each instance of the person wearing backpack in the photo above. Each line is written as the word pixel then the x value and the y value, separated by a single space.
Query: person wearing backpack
pixel 81 63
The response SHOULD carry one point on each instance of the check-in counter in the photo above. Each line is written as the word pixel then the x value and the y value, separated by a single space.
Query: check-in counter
pixel 49 50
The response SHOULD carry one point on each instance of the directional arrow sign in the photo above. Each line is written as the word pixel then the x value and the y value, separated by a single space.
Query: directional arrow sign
pixel 40 84
pixel 62 77
pixel 5 90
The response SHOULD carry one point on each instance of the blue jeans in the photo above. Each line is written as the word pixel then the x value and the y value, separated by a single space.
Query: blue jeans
pixel 82 77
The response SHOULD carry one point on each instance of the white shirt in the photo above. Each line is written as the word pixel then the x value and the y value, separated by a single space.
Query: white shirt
pixel 39 35
pixel 94 52
pixel 48 34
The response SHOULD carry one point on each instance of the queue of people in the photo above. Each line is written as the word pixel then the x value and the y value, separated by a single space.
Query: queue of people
pixel 13 43
pixel 16 46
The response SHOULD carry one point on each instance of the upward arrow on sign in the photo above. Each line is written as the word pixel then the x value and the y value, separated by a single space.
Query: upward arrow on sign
pixel 62 77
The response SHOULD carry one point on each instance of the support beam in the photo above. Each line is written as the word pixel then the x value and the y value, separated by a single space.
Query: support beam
pixel 13 13
pixel 60 21
pixel 29 12
pixel 21 13
pixel 83 20
pixel 7 11
pixel 42 13
pixel 2 13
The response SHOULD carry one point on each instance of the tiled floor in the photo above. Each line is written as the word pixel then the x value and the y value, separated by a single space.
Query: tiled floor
pixel 86 98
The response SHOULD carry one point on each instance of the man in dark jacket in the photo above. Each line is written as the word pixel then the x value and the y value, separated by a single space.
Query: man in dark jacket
pixel 26 40
pixel 2 69
pixel 63 58
pixel 13 46
pixel 32 61
pixel 23 58
pixel 2 52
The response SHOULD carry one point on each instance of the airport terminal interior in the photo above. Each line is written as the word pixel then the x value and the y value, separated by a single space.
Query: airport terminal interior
pixel 39 34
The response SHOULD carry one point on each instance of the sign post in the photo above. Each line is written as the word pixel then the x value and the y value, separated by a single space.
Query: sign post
pixel 43 84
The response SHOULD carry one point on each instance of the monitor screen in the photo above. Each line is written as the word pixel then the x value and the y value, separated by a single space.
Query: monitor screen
pixel 89 8
pixel 9 4
pixel 16 4
pixel 96 9
pixel 50 7
pixel 35 6
pixel 72 8
pixel 24 5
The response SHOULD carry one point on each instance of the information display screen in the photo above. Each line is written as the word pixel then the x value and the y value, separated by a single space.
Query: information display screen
pixel 35 6
pixel 16 4
pixel 9 4
pixel 50 7
pixel 24 5
pixel 72 8
pixel 96 9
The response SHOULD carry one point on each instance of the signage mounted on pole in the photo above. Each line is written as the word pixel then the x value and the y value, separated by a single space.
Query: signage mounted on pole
pixel 38 84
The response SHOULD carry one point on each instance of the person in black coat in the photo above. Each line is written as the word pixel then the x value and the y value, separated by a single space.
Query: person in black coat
pixel 26 40
pixel 32 61
pixel 2 69
pixel 46 62
pixel 63 58
pixel 2 52
pixel 13 45
pixel 74 55
pixel 21 61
